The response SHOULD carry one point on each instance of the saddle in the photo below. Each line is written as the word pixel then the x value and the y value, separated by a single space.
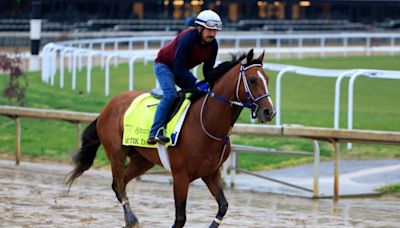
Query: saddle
pixel 139 117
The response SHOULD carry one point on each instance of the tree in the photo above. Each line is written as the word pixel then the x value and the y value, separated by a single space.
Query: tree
pixel 15 88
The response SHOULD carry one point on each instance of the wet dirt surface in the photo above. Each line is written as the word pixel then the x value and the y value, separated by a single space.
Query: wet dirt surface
pixel 33 195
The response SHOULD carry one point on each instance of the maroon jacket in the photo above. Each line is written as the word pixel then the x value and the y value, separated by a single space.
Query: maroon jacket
pixel 185 52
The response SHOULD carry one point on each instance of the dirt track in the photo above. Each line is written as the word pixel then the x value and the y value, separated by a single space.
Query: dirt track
pixel 32 195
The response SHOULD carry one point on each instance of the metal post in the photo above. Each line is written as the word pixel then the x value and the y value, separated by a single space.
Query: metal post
pixel 162 43
pixel 130 45
pixel 78 135
pixel 102 48
pixel 62 64
pixel 237 44
pixel 233 167
pixel 18 141
pixel 322 48
pixel 70 60
pixel 278 94
pixel 45 59
pixel 336 108
pixel 316 168
pixel 73 82
pixel 300 53
pixel 392 45
pixel 278 46
pixel 89 73
pixel 107 75
pixel 335 170
pixel 62 55
pixel 350 103
pixel 53 70
pixel 116 50
pixel 80 59
pixel 345 46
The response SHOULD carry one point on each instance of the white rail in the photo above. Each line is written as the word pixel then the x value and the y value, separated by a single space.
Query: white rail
pixel 353 74
pixel 297 44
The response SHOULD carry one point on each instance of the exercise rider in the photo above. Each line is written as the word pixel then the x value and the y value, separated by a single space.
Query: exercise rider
pixel 190 48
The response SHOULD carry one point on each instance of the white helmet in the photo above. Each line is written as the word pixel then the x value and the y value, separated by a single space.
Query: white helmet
pixel 209 19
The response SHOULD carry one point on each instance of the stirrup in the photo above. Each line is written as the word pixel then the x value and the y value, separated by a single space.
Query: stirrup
pixel 158 138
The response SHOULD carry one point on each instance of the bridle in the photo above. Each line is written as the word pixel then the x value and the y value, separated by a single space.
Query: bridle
pixel 251 104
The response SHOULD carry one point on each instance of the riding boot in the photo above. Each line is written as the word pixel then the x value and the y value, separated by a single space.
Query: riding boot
pixel 158 138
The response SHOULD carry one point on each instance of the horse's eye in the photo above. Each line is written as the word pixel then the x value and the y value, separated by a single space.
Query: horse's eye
pixel 253 81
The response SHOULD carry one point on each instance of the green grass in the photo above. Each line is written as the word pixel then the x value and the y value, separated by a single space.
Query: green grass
pixel 391 188
pixel 305 100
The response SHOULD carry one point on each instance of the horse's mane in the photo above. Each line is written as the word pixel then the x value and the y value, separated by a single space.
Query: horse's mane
pixel 220 70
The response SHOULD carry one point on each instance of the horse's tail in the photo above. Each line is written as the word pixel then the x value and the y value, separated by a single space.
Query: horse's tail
pixel 84 158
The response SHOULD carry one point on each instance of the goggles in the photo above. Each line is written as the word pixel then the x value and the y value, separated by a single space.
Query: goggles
pixel 211 24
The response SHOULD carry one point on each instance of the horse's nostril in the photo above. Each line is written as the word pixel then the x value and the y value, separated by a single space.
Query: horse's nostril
pixel 267 112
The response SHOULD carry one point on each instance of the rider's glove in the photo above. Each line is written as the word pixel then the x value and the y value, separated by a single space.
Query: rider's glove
pixel 202 86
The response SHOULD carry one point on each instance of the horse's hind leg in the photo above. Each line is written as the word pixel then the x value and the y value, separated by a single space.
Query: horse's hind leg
pixel 117 157
pixel 214 184
pixel 136 167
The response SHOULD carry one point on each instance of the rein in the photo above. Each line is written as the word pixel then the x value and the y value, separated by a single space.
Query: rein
pixel 251 104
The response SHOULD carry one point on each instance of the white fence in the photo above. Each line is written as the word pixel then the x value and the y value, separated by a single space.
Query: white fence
pixel 298 44
pixel 353 74
pixel 54 54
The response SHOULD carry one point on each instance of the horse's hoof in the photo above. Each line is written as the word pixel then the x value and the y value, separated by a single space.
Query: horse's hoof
pixel 137 225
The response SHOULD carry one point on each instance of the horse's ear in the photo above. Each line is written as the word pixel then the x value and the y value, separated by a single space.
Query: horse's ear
pixel 250 55
pixel 261 57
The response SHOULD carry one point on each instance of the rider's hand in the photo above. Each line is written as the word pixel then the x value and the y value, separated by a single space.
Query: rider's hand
pixel 202 86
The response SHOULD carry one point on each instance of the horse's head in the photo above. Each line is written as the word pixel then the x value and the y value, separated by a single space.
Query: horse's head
pixel 252 88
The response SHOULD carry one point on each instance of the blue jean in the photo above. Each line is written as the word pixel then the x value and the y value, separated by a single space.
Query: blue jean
pixel 165 77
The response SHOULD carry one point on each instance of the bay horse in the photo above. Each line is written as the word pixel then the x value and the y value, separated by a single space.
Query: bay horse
pixel 203 143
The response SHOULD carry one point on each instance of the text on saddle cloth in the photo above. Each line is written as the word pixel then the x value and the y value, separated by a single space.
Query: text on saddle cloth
pixel 139 117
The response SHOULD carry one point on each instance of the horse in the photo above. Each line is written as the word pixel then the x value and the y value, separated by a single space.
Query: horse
pixel 203 144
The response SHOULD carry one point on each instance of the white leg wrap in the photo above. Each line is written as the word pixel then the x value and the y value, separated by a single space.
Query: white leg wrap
pixel 125 202
pixel 218 221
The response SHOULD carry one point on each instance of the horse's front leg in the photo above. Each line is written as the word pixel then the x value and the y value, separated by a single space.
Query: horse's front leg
pixel 181 186
pixel 214 184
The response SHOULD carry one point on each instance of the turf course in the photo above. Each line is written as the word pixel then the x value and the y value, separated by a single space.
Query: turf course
pixel 305 100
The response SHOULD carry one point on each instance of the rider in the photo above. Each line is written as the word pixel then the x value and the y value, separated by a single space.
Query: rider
pixel 190 48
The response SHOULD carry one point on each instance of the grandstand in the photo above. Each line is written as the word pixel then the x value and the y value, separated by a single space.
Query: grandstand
pixel 106 25
pixel 63 19
pixel 257 15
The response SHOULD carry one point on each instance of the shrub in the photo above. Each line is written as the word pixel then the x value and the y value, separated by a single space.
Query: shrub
pixel 16 86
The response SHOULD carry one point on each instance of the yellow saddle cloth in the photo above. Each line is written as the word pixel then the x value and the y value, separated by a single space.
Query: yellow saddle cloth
pixel 139 117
